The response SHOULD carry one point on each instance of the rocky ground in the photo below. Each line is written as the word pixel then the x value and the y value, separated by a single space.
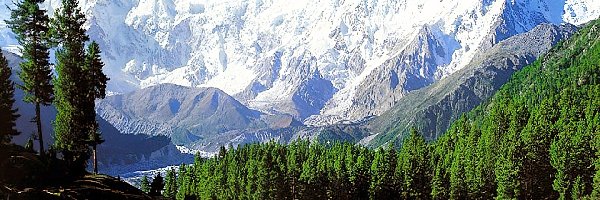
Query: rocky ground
pixel 23 175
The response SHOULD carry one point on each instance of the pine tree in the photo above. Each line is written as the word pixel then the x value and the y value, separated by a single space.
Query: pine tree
pixel 170 184
pixel 31 26
pixel 8 114
pixel 295 157
pixel 157 185
pixel 537 137
pixel 96 81
pixel 80 81
pixel 571 154
pixel 595 128
pixel 596 186
pixel 207 187
pixel 145 184
pixel 382 172
pixel 414 167
pixel 362 177
pixel 458 180
pixel 509 162
pixel 441 158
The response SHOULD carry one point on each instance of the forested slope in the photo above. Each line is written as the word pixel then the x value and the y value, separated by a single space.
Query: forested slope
pixel 538 137
pixel 535 138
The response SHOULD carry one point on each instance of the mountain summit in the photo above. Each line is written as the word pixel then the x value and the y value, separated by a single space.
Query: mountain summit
pixel 320 61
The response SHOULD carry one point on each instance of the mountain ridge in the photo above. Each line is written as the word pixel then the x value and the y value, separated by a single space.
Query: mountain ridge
pixel 269 54
pixel 446 100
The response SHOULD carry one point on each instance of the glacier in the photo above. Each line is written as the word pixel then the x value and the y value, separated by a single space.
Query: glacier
pixel 322 61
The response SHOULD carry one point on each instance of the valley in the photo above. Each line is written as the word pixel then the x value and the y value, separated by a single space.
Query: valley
pixel 381 99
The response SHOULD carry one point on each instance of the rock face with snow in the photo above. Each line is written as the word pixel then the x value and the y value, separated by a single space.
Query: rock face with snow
pixel 184 114
pixel 433 108
pixel 319 61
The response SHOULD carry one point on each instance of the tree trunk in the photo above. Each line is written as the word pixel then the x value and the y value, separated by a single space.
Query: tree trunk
pixel 95 159
pixel 38 120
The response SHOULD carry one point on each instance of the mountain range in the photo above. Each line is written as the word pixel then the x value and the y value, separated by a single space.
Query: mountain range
pixel 213 73
pixel 322 62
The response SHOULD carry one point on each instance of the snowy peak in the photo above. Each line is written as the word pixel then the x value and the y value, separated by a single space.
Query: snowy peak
pixel 327 61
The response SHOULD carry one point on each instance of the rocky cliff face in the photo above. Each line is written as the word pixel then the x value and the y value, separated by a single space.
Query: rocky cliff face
pixel 433 108
pixel 319 61
pixel 184 114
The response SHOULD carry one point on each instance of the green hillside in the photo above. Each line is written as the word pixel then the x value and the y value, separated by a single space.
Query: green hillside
pixel 434 108
pixel 535 138
pixel 538 137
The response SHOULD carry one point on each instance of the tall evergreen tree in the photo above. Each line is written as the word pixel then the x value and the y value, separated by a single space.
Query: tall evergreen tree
pixel 441 159
pixel 596 186
pixel 157 185
pixel 537 137
pixel 71 137
pixel 95 81
pixel 31 26
pixel 509 162
pixel 170 184
pixel 382 172
pixel 570 152
pixel 8 114
pixel 145 184
pixel 80 81
pixel 414 167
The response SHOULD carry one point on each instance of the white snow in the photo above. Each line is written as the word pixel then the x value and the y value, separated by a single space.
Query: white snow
pixel 221 43
pixel 202 154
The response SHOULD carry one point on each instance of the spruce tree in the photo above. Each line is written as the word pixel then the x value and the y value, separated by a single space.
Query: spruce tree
pixel 70 134
pixel 8 114
pixel 414 167
pixel 571 154
pixel 537 137
pixel 95 81
pixel 509 162
pixel 382 172
pixel 441 158
pixel 31 26
pixel 157 185
pixel 596 185
pixel 145 184
pixel 170 184
pixel 80 81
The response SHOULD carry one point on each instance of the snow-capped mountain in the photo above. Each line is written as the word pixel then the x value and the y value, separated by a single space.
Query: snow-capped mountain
pixel 322 61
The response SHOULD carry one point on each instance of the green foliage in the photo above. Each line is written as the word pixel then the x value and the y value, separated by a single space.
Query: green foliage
pixel 382 174
pixel 94 85
pixel 534 137
pixel 596 186
pixel 170 184
pixel 8 114
pixel 80 81
pixel 31 26
pixel 537 138
pixel 70 132
pixel 145 184
pixel 413 169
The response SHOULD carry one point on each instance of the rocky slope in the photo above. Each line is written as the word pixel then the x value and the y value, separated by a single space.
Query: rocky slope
pixel 433 108
pixel 23 175
pixel 193 117
pixel 319 61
